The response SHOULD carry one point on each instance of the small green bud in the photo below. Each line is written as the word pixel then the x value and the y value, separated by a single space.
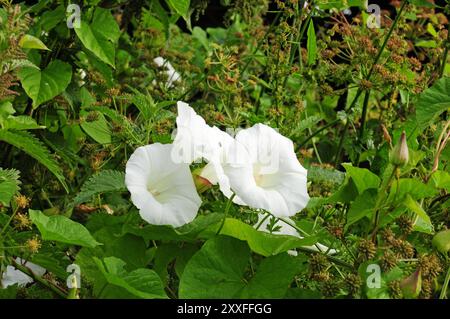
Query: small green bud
pixel 399 156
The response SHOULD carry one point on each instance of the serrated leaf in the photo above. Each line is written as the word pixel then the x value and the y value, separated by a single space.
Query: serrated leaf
pixel 103 182
pixel 9 185
pixel 42 86
pixel 101 36
pixel 33 147
pixel 62 229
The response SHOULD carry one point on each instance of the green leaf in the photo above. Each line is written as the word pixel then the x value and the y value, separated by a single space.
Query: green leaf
pixel 101 36
pixel 9 185
pixel 50 19
pixel 98 129
pixel 441 179
pixel 423 221
pixel 272 278
pixel 188 232
pixel 31 42
pixel 33 147
pixel 363 206
pixel 103 182
pixel 432 102
pixel 262 243
pixel 362 177
pixel 423 3
pixel 61 229
pixel 210 274
pixel 412 187
pixel 311 44
pixel 442 241
pixel 141 283
pixel 180 6
pixel 42 86
pixel 21 122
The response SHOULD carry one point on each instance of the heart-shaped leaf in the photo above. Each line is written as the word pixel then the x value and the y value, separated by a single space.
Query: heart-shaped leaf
pixel 43 85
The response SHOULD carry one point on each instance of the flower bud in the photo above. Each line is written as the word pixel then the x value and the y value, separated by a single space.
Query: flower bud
pixel 202 184
pixel 412 285
pixel 400 155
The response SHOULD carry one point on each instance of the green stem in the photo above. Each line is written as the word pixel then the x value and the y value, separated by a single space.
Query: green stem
pixel 444 57
pixel 445 286
pixel 38 279
pixel 8 222
pixel 227 209
pixel 316 132
pixel 367 78
pixel 260 43
pixel 262 221
pixel 381 196
pixel 363 121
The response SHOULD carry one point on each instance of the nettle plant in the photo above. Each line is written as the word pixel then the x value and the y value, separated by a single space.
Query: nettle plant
pixel 296 150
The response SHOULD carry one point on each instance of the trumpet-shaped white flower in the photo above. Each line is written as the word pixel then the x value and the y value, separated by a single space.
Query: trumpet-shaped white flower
pixel 172 75
pixel 265 173
pixel 14 276
pixel 195 140
pixel 282 228
pixel 162 189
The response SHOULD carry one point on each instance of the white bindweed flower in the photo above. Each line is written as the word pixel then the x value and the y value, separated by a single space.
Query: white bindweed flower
pixel 172 75
pixel 162 189
pixel 195 140
pixel 265 173
pixel 281 228
pixel 13 276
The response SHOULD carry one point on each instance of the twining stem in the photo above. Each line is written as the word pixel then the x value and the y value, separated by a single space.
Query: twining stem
pixel 445 285
pixel 380 197
pixel 227 209
pixel 316 132
pixel 9 221
pixel 367 78
pixel 39 279
pixel 262 221
pixel 444 57
pixel 363 119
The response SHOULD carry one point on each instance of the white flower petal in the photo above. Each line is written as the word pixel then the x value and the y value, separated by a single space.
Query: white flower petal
pixel 265 173
pixel 14 276
pixel 162 189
